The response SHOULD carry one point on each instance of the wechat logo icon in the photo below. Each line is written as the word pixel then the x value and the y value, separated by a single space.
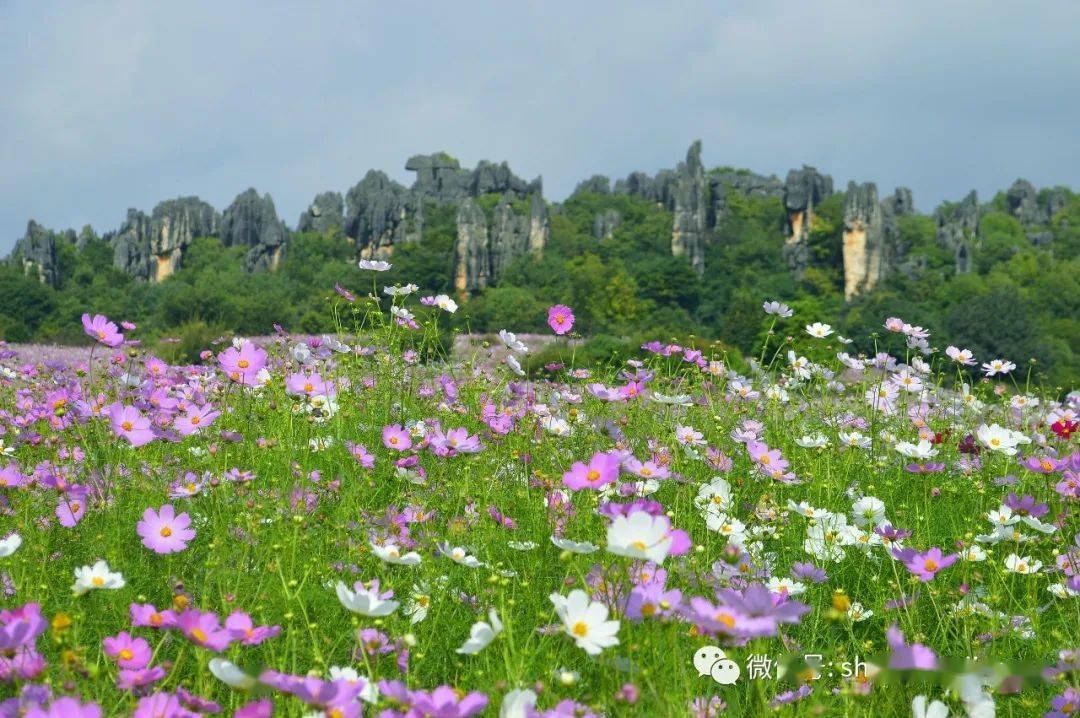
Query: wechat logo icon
pixel 711 661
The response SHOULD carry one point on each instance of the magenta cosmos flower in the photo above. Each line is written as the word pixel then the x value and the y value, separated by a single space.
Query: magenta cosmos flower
pixel 925 565
pixel 244 364
pixel 396 438
pixel 602 469
pixel 163 531
pixel 560 319
pixel 129 652
pixel 102 330
pixel 129 423
pixel 195 418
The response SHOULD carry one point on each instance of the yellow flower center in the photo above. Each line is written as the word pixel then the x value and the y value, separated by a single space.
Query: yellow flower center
pixel 126 426
pixel 97 581
pixel 126 654
pixel 166 532
pixel 199 635
pixel 930 564
pixel 648 610
pixel 593 475
pixel 580 629
pixel 243 364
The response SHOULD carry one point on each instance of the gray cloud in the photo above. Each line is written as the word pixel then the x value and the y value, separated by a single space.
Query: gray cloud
pixel 106 105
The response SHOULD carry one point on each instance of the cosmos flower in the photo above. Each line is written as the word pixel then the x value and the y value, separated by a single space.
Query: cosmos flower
pixel 98 576
pixel 560 319
pixel 162 531
pixel 481 634
pixel 603 468
pixel 374 265
pixel 391 553
pixel 586 621
pixel 243 364
pixel 102 330
pixel 818 330
pixel 778 309
pixel 10 545
pixel 129 423
pixel 925 565
pixel 365 600
pixel 639 535
pixel 129 652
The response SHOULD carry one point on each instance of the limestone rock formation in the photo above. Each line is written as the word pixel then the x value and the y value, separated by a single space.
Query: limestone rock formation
pixel 804 189
pixel 150 247
pixel 539 224
pixel 251 221
pixel 597 184
pixel 472 261
pixel 689 227
pixel 440 177
pixel 1022 202
pixel 958 228
pixel 605 223
pixel 36 252
pixel 893 207
pixel 325 213
pixel 863 239
pixel 378 211
pixel 725 183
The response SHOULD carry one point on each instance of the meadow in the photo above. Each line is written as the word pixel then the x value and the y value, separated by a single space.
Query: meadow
pixel 362 524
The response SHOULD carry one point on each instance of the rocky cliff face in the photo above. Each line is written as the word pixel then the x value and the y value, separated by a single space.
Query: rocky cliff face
pixel 325 213
pixel 689 229
pixel 864 239
pixel 36 252
pixel 150 247
pixel 251 221
pixel 958 228
pixel 472 260
pixel 804 189
pixel 378 214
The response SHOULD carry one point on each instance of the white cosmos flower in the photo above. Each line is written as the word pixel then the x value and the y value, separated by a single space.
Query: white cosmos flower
pixel 1000 439
pixel 777 308
pixel 639 535
pixel 573 546
pixel 391 553
pixel 789 586
pixel 369 693
pixel 813 441
pixel 555 425
pixel 364 601
pixel 868 511
pixel 1061 590
pixel 231 674
pixel 818 330
pixel 804 509
pixel 998 366
pixel 511 342
pixel 88 578
pixel 481 634
pixel 399 291
pixel 854 439
pixel 460 556
pixel 586 621
pixel 518 703
pixel 445 303
pixel 920 708
pixel 728 526
pixel 10 545
pixel 974 554
pixel 374 265
pixel 714 496
pixel 857 612
pixel 676 399
pixel 1022 564
pixel 923 450
pixel 1002 516
pixel 689 436
pixel 514 364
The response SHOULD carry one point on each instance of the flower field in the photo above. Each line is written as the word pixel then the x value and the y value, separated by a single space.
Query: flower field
pixel 360 524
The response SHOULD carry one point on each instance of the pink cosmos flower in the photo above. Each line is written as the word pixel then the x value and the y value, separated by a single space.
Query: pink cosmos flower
pixel 131 679
pixel 164 532
pixel 560 319
pixel 396 438
pixel 161 705
pixel 925 565
pixel 145 615
pixel 129 423
pixel 904 657
pixel 602 469
pixel 71 506
pixel 203 628
pixel 244 364
pixel 102 330
pixel 65 707
pixel 195 419
pixel 308 385
pixel 129 652
pixel 243 629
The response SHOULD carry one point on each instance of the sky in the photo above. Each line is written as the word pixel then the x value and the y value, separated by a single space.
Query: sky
pixel 116 104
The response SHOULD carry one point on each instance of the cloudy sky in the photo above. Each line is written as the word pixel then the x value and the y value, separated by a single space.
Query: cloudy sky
pixel 117 104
